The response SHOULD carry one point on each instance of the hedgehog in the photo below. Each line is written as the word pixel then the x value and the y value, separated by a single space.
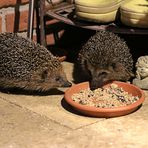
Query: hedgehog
pixel 27 65
pixel 105 57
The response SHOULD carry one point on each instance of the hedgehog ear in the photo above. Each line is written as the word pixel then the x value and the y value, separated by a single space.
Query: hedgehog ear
pixel 88 65
pixel 62 59
pixel 44 74
pixel 117 66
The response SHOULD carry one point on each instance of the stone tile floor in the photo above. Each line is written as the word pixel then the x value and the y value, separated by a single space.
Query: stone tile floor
pixel 47 121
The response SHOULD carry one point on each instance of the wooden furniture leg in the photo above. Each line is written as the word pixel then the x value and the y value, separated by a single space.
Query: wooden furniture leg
pixel 42 22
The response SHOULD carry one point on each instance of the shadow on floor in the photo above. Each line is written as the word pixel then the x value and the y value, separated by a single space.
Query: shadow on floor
pixel 18 91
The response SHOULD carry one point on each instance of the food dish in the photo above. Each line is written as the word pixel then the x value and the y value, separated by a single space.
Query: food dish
pixel 105 112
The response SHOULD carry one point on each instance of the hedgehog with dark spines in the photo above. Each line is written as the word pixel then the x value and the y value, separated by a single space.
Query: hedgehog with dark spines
pixel 105 57
pixel 27 65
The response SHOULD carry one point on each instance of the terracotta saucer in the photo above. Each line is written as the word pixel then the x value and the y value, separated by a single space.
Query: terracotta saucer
pixel 105 112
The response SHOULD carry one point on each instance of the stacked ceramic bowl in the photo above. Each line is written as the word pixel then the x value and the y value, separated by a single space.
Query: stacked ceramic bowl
pixel 135 13
pixel 101 11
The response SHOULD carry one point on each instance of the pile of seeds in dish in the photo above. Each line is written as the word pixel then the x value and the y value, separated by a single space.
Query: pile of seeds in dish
pixel 110 97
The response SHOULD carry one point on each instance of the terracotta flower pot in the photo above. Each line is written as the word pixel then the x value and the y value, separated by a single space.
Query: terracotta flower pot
pixel 105 112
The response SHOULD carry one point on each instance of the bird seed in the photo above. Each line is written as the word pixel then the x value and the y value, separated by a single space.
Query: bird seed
pixel 110 97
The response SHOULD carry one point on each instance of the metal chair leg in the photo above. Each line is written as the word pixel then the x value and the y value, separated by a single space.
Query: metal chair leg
pixel 30 19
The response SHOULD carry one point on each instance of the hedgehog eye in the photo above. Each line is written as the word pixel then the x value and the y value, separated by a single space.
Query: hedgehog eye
pixel 102 73
pixel 58 78
pixel 44 74
pixel 114 65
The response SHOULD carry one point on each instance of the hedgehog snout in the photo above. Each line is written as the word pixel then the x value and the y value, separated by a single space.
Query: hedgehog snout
pixel 62 80
pixel 67 84
pixel 99 77
pixel 95 84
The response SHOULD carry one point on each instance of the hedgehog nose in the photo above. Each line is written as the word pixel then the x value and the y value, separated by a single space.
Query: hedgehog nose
pixel 95 85
pixel 67 84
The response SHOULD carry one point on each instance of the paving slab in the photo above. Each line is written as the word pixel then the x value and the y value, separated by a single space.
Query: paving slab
pixel 20 128
pixel 53 107
pixel 129 131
